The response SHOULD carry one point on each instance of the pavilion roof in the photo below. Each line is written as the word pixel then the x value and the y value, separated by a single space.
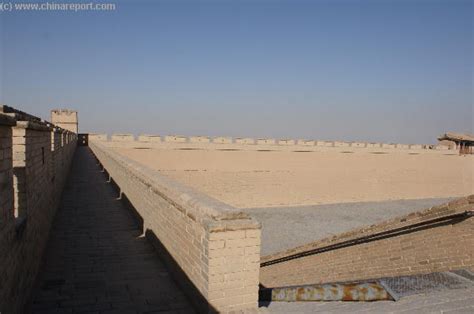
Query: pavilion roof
pixel 457 137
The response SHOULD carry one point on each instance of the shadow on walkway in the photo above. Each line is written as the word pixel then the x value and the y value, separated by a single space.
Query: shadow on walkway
pixel 96 260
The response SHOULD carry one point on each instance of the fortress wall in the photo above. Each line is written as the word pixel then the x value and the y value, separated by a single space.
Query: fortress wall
pixel 176 139
pixel 36 159
pixel 402 146
pixel 6 169
pixel 387 145
pixel 358 144
pixel 286 142
pixel 341 144
pixel 204 142
pixel 320 143
pixel 306 142
pixel 149 138
pixel 441 248
pixel 374 145
pixel 213 248
pixel 266 141
pixel 123 138
pixel 97 137
pixel 245 141
pixel 199 139
pixel 222 140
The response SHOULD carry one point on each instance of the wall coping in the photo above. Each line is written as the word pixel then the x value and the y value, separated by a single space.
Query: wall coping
pixel 216 215
pixel 284 141
pixel 18 114
pixel 27 121
pixel 7 120
pixel 31 125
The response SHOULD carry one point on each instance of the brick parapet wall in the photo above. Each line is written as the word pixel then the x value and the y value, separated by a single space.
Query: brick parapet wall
pixel 216 246
pixel 204 142
pixel 36 166
pixel 6 169
pixel 441 248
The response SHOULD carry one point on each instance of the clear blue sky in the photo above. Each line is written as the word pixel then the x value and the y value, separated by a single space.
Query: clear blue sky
pixel 394 71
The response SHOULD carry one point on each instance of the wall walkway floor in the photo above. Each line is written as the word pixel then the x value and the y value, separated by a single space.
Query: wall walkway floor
pixel 96 260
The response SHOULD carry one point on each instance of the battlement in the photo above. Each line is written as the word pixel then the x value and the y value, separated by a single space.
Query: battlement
pixel 248 143
pixel 65 118
pixel 35 156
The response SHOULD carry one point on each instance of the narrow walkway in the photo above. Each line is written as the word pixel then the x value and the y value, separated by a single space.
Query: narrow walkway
pixel 96 260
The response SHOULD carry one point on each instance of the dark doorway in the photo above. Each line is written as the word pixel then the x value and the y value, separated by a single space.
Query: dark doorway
pixel 83 139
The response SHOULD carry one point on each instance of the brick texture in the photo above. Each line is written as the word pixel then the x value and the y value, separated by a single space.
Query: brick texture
pixel 34 162
pixel 440 248
pixel 215 246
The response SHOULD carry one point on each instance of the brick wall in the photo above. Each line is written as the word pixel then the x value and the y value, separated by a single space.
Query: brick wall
pixel 215 247
pixel 440 248
pixel 34 166
pixel 6 170
pixel 204 142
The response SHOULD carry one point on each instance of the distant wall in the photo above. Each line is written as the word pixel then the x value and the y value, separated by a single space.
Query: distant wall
pixel 97 137
pixel 199 139
pixel 222 140
pixel 440 248
pixel 246 140
pixel 149 138
pixel 123 138
pixel 286 142
pixel 266 141
pixel 35 159
pixel 205 142
pixel 213 246
pixel 306 142
pixel 176 139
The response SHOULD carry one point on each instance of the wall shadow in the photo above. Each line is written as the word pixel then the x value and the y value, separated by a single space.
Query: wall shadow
pixel 197 299
pixel 199 302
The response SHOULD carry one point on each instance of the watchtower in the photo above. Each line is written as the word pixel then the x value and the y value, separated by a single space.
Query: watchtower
pixel 65 118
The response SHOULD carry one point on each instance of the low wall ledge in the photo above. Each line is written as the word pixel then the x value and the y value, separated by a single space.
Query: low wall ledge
pixel 195 204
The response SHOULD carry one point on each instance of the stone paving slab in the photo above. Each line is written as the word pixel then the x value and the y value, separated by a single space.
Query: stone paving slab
pixel 286 227
pixel 97 261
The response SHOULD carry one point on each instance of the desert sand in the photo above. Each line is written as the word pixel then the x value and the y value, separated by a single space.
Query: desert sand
pixel 248 179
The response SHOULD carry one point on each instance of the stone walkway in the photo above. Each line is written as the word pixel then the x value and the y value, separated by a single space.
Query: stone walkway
pixel 96 260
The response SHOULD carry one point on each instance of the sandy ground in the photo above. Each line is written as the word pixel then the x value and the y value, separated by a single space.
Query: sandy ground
pixel 283 178
pixel 287 227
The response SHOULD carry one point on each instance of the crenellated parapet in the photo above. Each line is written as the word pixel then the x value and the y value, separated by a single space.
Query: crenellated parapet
pixel 247 143
pixel 35 156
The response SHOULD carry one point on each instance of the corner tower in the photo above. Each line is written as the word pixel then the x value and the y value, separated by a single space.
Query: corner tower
pixel 65 118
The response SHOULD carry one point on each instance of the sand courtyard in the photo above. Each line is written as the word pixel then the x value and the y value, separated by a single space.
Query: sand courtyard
pixel 303 196
pixel 265 178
